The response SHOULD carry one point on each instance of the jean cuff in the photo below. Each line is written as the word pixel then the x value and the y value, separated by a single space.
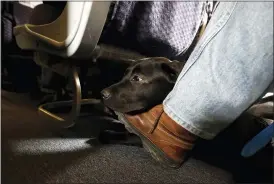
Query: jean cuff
pixel 187 123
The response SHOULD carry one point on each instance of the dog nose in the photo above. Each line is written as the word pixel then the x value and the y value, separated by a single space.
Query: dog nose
pixel 105 94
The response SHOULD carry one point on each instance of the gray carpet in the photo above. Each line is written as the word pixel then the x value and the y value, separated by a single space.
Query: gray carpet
pixel 32 154
pixel 108 164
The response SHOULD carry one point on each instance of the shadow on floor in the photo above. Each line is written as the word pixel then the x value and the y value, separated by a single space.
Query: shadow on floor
pixel 34 152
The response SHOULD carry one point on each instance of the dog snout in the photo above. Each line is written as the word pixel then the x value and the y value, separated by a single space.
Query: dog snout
pixel 105 94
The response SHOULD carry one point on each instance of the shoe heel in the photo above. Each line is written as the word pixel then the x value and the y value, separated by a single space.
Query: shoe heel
pixel 156 154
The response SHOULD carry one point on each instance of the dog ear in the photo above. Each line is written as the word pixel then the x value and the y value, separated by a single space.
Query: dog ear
pixel 172 70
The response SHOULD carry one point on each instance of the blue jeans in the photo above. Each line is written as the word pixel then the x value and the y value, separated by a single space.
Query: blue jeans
pixel 229 69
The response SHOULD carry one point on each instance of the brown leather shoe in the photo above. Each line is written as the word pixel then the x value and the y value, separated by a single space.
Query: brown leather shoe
pixel 166 141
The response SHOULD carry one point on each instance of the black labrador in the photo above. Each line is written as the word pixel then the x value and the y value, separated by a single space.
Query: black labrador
pixel 148 81
pixel 145 84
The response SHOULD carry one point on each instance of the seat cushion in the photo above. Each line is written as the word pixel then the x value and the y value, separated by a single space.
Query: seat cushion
pixel 153 28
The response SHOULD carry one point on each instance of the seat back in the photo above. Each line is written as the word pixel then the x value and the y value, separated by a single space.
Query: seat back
pixel 75 33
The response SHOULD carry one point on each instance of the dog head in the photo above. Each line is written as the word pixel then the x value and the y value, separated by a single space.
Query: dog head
pixel 145 84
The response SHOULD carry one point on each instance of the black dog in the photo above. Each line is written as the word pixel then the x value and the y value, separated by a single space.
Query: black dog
pixel 145 84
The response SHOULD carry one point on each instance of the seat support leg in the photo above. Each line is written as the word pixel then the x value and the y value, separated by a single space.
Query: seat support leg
pixel 75 103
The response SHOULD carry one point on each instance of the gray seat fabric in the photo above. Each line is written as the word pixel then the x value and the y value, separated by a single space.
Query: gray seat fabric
pixel 152 28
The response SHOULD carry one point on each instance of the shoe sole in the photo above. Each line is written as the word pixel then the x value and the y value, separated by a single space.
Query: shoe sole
pixel 155 152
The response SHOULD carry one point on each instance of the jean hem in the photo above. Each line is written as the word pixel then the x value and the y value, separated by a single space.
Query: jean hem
pixel 185 124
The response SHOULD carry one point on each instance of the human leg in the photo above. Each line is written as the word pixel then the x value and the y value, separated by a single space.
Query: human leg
pixel 228 71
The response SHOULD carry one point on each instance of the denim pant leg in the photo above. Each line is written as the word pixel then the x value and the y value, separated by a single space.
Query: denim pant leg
pixel 229 69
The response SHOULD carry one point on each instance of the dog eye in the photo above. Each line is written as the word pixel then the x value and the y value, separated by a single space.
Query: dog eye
pixel 136 78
